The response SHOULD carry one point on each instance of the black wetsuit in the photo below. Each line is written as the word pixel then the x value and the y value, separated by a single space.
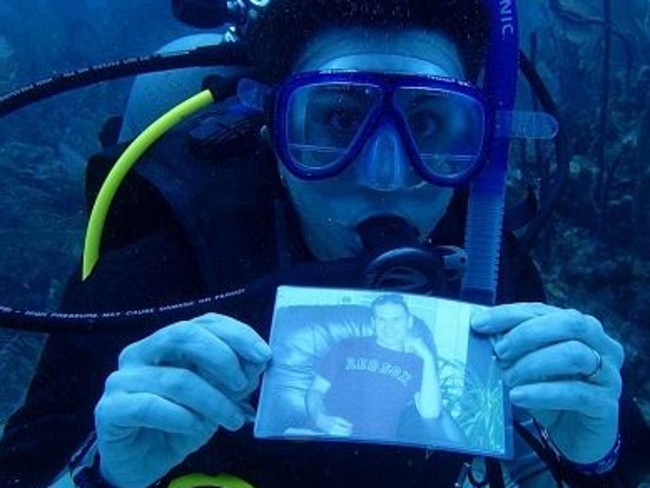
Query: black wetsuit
pixel 161 264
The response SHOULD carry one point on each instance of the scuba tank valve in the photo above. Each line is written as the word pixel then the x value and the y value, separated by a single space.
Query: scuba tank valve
pixel 208 14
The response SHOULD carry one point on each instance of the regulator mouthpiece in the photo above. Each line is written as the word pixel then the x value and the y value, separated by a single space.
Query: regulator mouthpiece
pixel 398 261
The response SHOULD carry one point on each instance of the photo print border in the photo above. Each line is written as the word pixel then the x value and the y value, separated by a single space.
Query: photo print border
pixel 310 323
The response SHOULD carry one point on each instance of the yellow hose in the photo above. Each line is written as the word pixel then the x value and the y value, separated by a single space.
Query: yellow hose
pixel 198 480
pixel 114 179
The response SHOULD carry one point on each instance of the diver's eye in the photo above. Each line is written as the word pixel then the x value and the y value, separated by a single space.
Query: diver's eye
pixel 344 119
pixel 425 123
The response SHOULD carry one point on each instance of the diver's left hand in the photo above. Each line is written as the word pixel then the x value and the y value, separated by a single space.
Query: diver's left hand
pixel 550 360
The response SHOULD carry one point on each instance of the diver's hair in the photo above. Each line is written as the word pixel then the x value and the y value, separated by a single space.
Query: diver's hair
pixel 284 28
pixel 389 298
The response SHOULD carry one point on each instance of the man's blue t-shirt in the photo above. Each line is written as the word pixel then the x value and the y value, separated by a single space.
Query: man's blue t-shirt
pixel 370 385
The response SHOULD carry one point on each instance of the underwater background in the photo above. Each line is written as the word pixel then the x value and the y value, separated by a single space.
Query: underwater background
pixel 594 180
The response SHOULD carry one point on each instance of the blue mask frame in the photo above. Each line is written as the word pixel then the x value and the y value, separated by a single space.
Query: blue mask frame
pixel 386 109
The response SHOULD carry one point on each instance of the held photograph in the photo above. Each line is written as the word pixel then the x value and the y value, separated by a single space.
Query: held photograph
pixel 381 367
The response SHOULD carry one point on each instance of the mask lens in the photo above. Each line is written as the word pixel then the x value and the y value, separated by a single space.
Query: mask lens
pixel 325 119
pixel 447 128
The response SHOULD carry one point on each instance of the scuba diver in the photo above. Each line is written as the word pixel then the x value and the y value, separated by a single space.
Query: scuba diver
pixel 359 134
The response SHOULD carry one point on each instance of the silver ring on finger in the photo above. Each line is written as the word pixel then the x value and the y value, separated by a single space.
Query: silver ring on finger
pixel 599 366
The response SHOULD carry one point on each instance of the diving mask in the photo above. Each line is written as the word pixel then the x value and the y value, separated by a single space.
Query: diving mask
pixel 323 120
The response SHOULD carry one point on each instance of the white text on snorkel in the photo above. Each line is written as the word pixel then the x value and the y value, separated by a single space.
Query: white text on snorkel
pixel 507 18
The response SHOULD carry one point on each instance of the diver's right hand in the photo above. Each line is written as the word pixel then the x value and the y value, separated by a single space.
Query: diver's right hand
pixel 171 393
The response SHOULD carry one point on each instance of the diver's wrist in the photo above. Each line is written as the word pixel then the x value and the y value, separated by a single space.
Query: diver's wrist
pixel 603 473
pixel 84 467
pixel 602 465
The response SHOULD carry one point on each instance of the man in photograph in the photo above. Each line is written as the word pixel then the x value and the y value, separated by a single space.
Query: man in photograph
pixel 364 384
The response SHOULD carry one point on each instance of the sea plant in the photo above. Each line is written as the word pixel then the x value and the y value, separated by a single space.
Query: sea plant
pixel 475 402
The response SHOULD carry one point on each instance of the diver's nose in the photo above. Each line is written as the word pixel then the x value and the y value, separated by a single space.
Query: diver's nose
pixel 383 163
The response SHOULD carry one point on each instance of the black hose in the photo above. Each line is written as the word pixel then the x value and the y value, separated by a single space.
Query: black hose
pixel 226 53
pixel 94 322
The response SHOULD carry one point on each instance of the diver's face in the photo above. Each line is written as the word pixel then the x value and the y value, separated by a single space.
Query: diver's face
pixel 392 323
pixel 331 209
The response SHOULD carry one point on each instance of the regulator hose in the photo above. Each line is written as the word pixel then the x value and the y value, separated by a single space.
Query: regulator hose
pixel 111 322
pixel 226 53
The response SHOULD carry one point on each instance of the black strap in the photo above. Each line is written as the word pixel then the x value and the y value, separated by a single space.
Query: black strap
pixel 541 452
pixel 494 473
